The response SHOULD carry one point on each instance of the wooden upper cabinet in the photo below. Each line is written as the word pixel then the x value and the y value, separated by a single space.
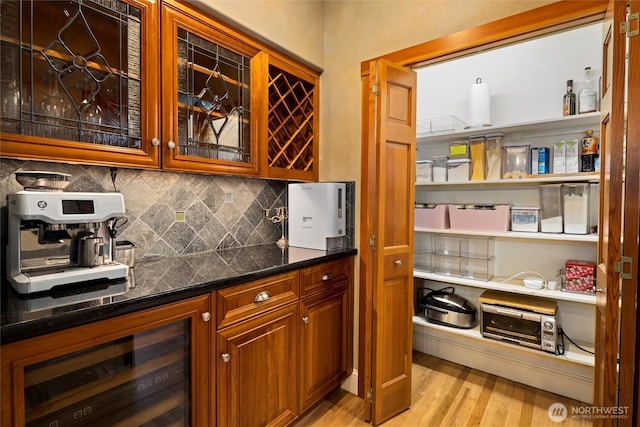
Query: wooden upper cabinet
pixel 80 82
pixel 289 135
pixel 208 111
pixel 153 85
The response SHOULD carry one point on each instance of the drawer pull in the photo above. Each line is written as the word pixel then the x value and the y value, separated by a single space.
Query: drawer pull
pixel 262 296
pixel 327 277
pixel 225 357
pixel 206 316
pixel 305 319
pixel 399 263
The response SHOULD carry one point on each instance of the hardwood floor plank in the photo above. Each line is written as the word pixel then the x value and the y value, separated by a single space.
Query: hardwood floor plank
pixel 445 394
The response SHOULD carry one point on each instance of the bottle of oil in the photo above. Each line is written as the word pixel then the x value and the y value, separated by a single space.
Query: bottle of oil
pixel 587 97
pixel 569 100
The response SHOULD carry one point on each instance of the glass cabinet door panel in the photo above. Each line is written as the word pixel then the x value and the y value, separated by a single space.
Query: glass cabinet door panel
pixel 72 70
pixel 140 379
pixel 213 100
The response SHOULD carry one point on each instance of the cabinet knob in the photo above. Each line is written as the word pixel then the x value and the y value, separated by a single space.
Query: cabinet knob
pixel 206 316
pixel 305 319
pixel 171 144
pixel 327 277
pixel 155 142
pixel 225 357
pixel 399 263
pixel 599 290
pixel 262 296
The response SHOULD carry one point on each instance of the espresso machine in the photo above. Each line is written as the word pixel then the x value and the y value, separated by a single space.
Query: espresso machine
pixel 58 238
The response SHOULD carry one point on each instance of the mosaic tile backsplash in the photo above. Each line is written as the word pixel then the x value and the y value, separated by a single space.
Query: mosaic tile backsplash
pixel 218 212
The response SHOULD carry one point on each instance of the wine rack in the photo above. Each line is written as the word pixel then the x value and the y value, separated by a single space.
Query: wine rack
pixel 292 122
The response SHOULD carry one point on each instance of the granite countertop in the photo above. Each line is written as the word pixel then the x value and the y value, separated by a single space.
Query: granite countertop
pixel 150 283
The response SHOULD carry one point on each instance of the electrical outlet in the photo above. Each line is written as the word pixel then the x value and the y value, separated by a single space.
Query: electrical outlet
pixel 180 217
pixel 228 197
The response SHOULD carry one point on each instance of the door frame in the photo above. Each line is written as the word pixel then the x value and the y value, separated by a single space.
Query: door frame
pixel 533 23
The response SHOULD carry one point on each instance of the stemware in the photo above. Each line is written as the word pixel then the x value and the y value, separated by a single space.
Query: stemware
pixel 54 109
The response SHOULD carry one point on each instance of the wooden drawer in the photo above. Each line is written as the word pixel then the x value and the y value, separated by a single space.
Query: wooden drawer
pixel 327 275
pixel 245 301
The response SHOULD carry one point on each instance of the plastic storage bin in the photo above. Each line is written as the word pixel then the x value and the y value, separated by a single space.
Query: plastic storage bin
pixel 464 257
pixel 525 219
pixel 432 216
pixel 551 208
pixel 459 150
pixel 493 154
pixel 575 202
pixel 458 170
pixel 478 158
pixel 423 251
pixel 440 168
pixel 491 218
pixel 424 171
pixel 515 161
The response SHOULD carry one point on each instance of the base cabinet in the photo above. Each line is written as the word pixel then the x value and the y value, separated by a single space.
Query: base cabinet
pixel 145 368
pixel 325 350
pixel 257 370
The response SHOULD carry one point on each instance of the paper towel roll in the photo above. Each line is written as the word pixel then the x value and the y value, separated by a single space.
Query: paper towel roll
pixel 479 104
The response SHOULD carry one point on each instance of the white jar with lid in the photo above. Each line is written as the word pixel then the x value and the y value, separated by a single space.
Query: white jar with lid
pixel 424 171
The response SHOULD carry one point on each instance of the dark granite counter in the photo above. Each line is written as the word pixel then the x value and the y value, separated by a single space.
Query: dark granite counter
pixel 150 283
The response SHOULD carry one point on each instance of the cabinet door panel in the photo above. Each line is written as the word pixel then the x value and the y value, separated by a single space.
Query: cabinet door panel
pixel 80 81
pixel 257 370
pixel 324 344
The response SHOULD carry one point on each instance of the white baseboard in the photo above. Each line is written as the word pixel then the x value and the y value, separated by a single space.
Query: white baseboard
pixel 517 364
pixel 350 383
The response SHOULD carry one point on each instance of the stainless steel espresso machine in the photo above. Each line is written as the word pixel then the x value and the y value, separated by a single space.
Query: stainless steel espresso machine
pixel 59 238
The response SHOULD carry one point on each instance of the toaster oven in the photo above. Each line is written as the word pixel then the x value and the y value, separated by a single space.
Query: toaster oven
pixel 520 319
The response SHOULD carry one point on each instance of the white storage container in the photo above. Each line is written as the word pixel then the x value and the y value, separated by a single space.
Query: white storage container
pixel 525 219
pixel 575 200
pixel 551 208
pixel 424 171
pixel 440 168
pixel 458 170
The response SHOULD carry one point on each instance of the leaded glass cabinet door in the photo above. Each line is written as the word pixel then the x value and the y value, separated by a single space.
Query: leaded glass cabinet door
pixel 79 81
pixel 208 109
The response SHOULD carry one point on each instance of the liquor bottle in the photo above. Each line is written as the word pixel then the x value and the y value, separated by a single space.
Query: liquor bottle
pixel 569 100
pixel 587 97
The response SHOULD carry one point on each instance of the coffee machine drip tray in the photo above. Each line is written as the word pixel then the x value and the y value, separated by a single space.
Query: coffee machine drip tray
pixel 45 279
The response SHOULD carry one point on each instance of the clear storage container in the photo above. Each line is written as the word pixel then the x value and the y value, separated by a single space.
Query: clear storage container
pixel 424 171
pixel 516 161
pixel 478 158
pixel 459 150
pixel 575 201
pixel 493 155
pixel 551 208
pixel 440 168
pixel 525 219
pixel 458 170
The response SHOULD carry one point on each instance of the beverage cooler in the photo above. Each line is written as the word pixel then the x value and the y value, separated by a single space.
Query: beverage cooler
pixel 102 374
pixel 121 381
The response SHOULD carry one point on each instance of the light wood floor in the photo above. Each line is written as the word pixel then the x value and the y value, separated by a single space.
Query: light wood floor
pixel 449 395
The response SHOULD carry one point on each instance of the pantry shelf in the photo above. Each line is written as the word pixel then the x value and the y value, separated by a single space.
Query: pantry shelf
pixel 589 238
pixel 545 126
pixel 495 284
pixel 531 180
pixel 572 354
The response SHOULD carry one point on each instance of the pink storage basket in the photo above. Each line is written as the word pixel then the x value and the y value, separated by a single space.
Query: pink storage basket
pixel 436 217
pixel 493 219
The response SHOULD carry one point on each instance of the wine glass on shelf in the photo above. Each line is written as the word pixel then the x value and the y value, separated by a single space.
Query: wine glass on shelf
pixel 54 109
pixel 92 118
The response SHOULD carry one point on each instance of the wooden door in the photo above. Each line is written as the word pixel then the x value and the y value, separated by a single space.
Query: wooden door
pixel 325 347
pixel 629 396
pixel 257 366
pixel 388 166
pixel 611 209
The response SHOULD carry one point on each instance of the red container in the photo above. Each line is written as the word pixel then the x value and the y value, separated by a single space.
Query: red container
pixel 575 269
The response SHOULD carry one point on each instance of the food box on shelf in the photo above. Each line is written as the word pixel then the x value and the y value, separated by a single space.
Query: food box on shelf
pixel 579 276
pixel 487 218
pixel 432 216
